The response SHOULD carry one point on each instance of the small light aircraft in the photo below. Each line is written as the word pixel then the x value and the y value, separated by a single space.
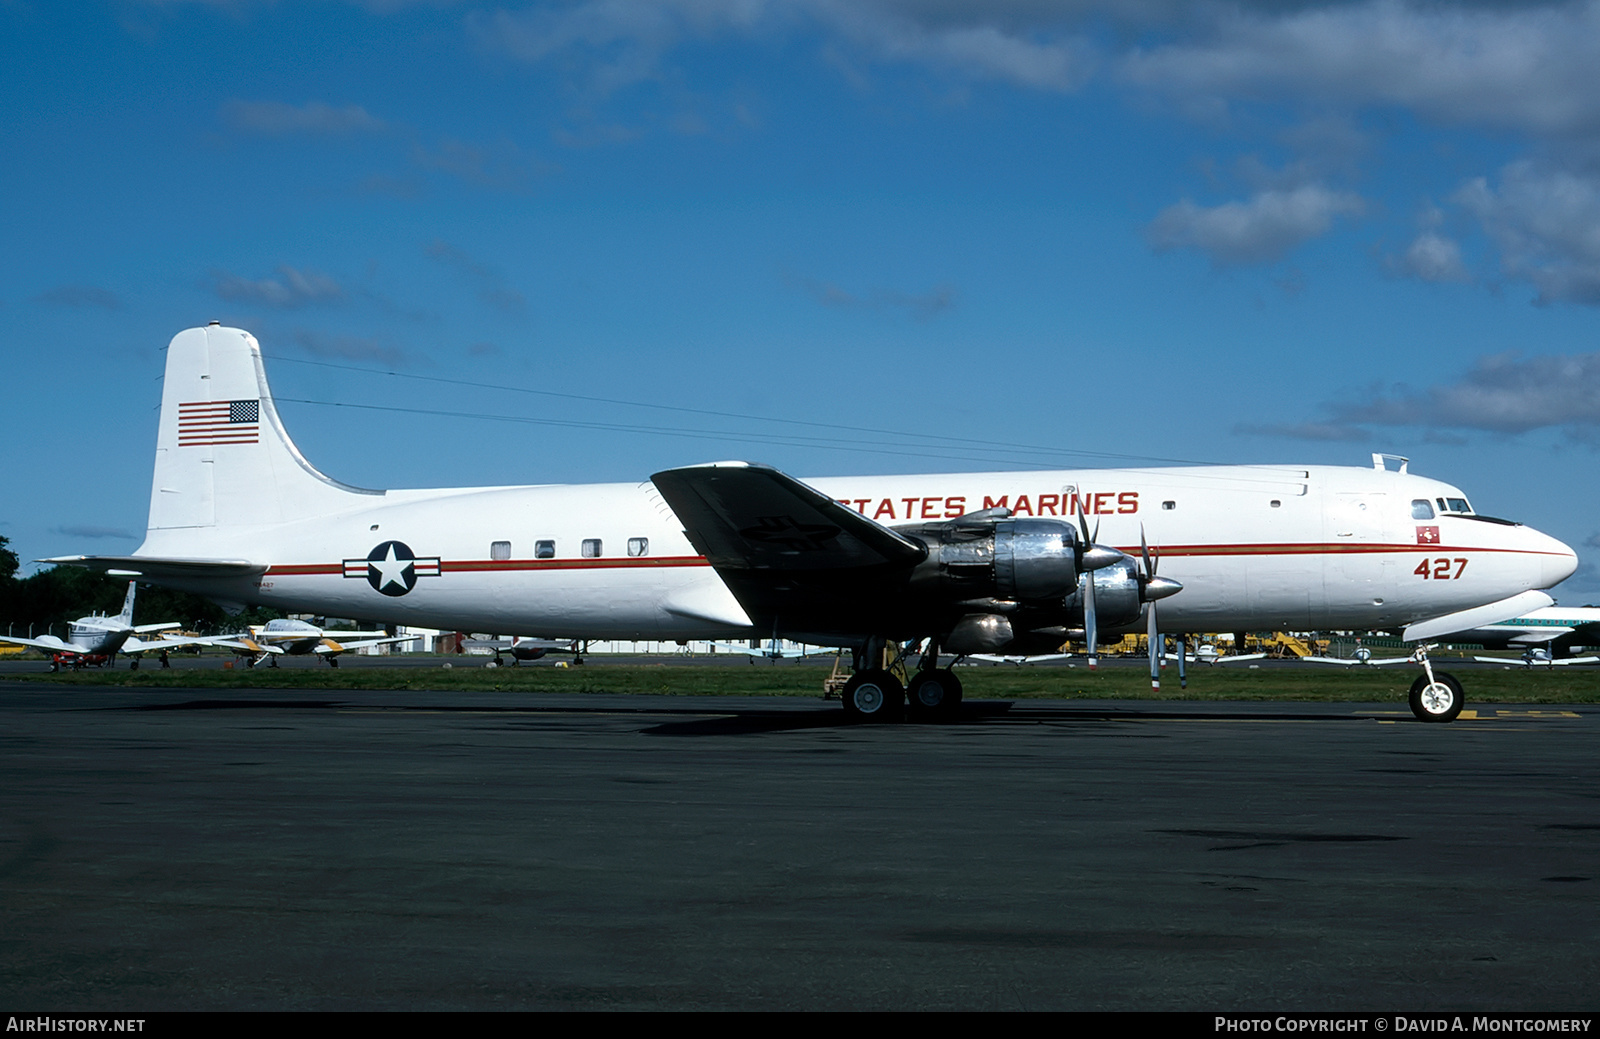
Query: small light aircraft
pixel 299 638
pixel 1547 637
pixel 773 650
pixel 960 563
pixel 524 649
pixel 95 640
pixel 1210 653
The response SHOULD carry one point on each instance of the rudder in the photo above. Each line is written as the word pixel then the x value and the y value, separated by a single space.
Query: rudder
pixel 223 458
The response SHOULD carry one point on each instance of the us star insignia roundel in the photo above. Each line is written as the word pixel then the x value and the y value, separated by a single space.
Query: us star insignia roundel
pixel 392 568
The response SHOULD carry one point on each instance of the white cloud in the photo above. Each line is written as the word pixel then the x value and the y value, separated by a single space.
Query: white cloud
pixel 79 296
pixel 290 289
pixel 1262 229
pixel 1525 67
pixel 926 305
pixel 622 42
pixel 1504 393
pixel 352 348
pixel 1546 223
pixel 276 119
pixel 1433 257
pixel 91 531
pixel 491 288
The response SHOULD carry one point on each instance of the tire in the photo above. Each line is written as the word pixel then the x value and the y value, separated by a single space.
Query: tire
pixel 1439 702
pixel 934 694
pixel 873 696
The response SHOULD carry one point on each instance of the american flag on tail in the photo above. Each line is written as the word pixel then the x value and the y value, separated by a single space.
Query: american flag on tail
pixel 219 422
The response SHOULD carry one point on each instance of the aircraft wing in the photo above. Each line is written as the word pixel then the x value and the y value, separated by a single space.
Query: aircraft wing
pixel 328 645
pixel 752 517
pixel 1351 661
pixel 1477 617
pixel 1562 662
pixel 787 550
pixel 1018 660
pixel 239 642
pixel 1545 635
pixel 171 567
pixel 49 643
pixel 1232 658
pixel 143 628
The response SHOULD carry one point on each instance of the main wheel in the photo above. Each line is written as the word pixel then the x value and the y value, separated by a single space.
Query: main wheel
pixel 934 693
pixel 873 696
pixel 1439 701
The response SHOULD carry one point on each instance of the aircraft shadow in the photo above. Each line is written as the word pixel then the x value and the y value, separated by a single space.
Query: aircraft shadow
pixel 710 718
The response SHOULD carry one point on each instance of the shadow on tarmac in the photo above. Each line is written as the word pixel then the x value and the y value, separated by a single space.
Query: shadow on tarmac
pixel 736 719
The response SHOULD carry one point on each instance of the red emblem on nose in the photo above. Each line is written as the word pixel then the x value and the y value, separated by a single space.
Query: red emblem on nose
pixel 1427 535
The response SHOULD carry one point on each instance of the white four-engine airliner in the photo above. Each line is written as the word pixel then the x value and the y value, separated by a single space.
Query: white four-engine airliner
pixel 1008 562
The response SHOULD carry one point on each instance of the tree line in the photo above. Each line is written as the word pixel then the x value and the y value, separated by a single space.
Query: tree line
pixel 49 599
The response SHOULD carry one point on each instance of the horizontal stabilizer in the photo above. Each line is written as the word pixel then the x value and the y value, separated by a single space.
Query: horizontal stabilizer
pixel 155 566
pixel 1477 617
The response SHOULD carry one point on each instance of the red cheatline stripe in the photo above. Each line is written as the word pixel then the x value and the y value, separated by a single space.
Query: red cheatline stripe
pixel 657 562
pixel 492 565
pixel 1313 548
pixel 632 563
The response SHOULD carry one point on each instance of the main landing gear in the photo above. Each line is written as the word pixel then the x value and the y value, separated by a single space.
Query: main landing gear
pixel 1435 695
pixel 876 694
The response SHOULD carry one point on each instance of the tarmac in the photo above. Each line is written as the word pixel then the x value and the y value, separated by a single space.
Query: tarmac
pixel 194 849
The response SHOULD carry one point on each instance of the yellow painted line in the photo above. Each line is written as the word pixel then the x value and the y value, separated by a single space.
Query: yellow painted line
pixel 1538 714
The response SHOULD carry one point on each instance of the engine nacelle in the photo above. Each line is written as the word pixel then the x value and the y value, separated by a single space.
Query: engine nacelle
pixel 1027 561
pixel 1117 599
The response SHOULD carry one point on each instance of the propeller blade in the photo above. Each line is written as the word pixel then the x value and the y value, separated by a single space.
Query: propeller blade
pixel 1091 632
pixel 1154 646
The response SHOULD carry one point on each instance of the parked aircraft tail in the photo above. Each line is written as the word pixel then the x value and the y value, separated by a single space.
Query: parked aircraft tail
pixel 223 458
pixel 125 618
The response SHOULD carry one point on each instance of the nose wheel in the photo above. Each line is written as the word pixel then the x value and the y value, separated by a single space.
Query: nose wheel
pixel 1437 697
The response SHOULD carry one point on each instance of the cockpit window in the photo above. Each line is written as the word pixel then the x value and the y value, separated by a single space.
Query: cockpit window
pixel 1458 506
pixel 1421 509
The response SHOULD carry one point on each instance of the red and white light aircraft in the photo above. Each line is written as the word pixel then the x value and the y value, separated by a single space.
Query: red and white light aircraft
pixel 97 639
pixel 1011 562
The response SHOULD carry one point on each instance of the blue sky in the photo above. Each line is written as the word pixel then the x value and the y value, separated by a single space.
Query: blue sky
pixel 949 236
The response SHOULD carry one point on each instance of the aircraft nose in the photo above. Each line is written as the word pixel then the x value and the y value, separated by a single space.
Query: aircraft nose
pixel 1560 562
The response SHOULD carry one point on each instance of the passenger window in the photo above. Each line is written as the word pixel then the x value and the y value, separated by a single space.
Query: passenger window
pixel 1169 505
pixel 638 546
pixel 1420 509
pixel 500 550
pixel 591 548
pixel 544 550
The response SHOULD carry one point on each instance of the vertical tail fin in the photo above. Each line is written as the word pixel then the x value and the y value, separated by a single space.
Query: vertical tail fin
pixel 223 458
pixel 126 616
